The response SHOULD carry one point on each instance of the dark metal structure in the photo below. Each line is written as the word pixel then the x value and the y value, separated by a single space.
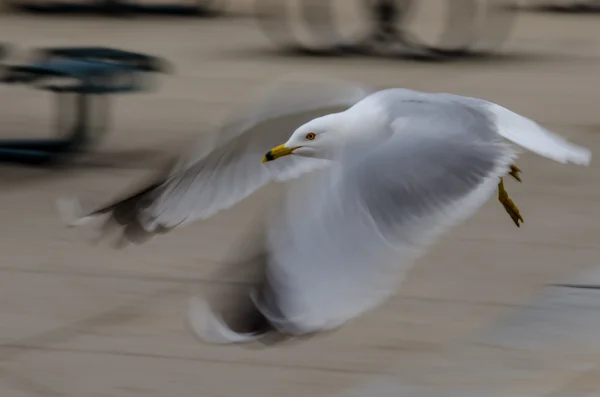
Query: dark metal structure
pixel 568 7
pixel 122 7
pixel 3 50
pixel 82 79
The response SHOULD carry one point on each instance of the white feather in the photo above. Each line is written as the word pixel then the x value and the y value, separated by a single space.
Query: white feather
pixel 71 212
pixel 531 136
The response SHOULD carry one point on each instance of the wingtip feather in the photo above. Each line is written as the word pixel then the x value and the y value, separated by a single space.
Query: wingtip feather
pixel 71 212
pixel 531 136
pixel 581 156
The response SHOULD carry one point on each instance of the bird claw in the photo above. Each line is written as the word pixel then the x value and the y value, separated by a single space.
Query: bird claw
pixel 509 205
pixel 515 172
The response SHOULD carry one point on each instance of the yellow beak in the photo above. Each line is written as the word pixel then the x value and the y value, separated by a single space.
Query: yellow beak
pixel 277 152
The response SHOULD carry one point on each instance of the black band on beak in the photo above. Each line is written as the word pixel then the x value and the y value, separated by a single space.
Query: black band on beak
pixel 269 156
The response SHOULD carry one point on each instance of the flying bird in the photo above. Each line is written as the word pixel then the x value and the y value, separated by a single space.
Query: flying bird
pixel 373 178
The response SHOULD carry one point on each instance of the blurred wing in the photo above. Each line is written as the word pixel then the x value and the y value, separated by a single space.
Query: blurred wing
pixel 220 172
pixel 531 136
pixel 346 238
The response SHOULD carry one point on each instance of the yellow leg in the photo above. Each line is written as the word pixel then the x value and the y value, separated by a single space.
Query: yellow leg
pixel 509 205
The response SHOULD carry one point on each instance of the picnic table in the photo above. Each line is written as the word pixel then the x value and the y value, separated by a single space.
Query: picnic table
pixel 83 80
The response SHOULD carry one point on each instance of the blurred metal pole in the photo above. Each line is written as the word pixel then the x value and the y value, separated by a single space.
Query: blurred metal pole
pixel 388 16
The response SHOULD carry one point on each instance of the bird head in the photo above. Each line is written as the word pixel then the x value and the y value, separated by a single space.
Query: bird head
pixel 319 138
pixel 327 136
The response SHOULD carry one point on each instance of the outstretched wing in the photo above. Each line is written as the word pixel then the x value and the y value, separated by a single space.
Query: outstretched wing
pixel 224 166
pixel 220 173
pixel 531 136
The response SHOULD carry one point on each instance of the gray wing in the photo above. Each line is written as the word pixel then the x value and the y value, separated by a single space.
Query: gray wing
pixel 227 168
pixel 345 239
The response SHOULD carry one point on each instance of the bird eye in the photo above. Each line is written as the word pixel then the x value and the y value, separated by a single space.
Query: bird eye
pixel 310 136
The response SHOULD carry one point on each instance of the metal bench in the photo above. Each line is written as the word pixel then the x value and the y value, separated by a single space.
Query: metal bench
pixel 91 75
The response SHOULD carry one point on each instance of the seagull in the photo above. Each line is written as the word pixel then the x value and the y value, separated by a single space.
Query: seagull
pixel 372 179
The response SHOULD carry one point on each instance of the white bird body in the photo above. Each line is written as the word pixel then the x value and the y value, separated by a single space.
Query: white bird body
pixel 314 236
pixel 389 174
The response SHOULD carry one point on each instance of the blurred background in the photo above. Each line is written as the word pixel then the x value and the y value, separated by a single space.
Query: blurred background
pixel 492 310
